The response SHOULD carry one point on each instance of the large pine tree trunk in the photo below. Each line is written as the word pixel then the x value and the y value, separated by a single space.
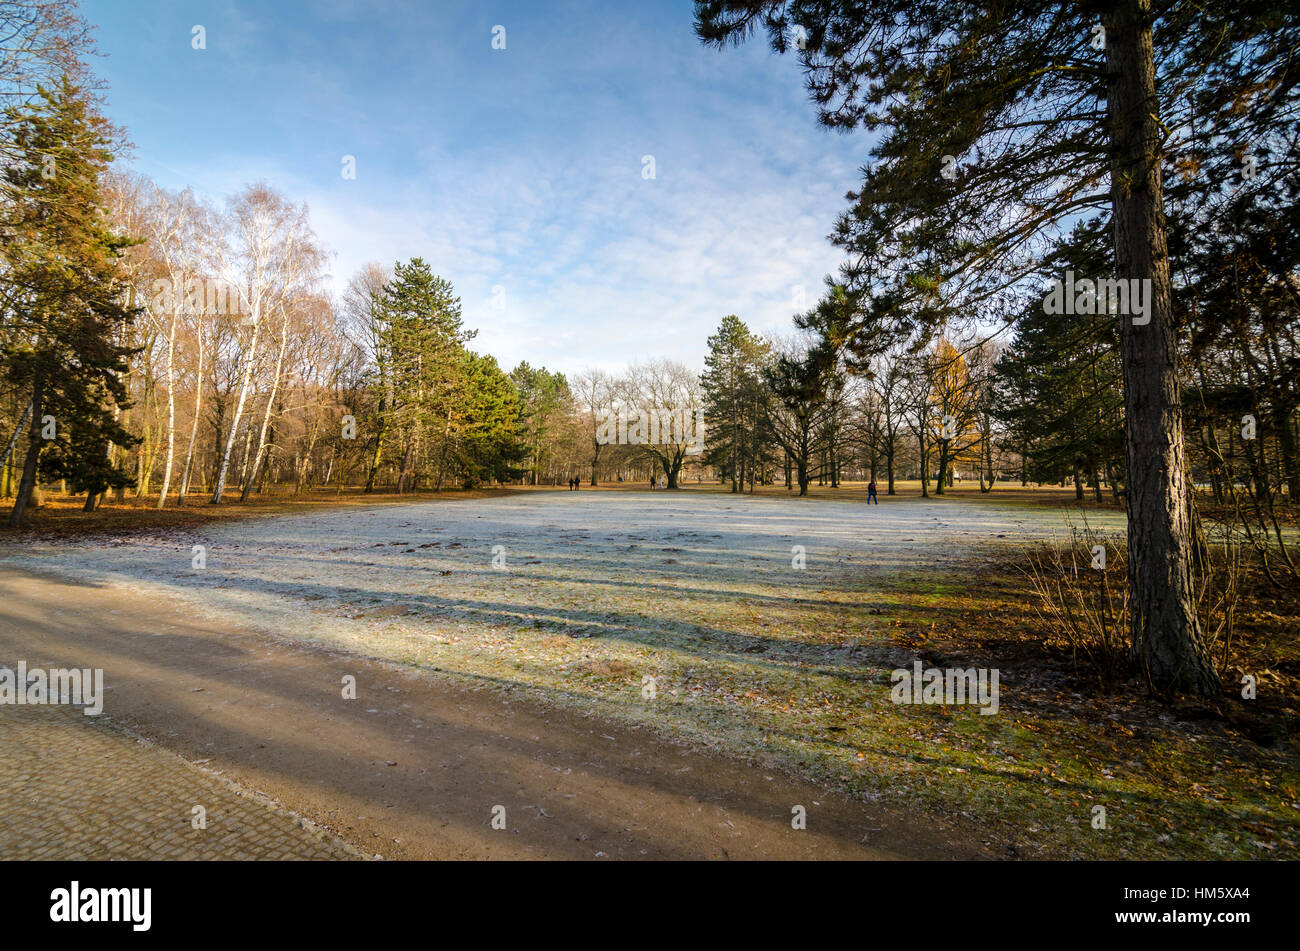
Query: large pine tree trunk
pixel 1167 643
pixel 34 445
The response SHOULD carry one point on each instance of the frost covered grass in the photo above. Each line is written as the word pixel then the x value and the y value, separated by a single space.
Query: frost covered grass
pixel 685 613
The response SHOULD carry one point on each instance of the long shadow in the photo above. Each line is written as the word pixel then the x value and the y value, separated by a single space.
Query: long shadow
pixel 759 652
pixel 618 625
pixel 497 751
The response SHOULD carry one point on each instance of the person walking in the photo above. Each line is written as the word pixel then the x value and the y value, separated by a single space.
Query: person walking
pixel 871 492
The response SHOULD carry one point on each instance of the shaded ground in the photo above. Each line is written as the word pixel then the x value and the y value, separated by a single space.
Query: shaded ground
pixel 412 768
pixel 80 790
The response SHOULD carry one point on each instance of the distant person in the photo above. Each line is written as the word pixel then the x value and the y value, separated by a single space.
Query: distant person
pixel 871 492
pixel 652 482
pixel 577 483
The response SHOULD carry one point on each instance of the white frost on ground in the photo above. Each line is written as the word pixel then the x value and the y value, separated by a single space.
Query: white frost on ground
pixel 583 564
pixel 603 591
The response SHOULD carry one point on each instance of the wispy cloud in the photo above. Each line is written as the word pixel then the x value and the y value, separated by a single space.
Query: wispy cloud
pixel 518 169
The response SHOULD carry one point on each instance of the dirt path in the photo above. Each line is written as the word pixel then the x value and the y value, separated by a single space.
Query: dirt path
pixel 413 768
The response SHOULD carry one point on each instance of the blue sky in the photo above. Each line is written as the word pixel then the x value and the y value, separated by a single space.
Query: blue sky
pixel 518 169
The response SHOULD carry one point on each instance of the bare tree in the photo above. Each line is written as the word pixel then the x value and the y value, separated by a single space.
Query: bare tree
pixel 663 401
pixel 595 390
pixel 367 327
pixel 270 243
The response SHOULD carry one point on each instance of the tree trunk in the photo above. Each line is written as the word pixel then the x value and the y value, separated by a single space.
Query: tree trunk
pixel 736 479
pixel 924 455
pixel 171 417
pixel 266 417
pixel 379 449
pixel 13 438
pixel 219 489
pixel 194 427
pixel 34 446
pixel 1166 639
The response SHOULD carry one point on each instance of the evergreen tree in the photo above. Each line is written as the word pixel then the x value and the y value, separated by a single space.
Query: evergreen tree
pixel 544 398
pixel 796 416
pixel 1060 383
pixel 424 341
pixel 491 445
pixel 1000 126
pixel 63 301
pixel 733 401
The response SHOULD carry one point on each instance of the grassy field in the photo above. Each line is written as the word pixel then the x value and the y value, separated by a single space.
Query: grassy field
pixel 751 658
pixel 62 515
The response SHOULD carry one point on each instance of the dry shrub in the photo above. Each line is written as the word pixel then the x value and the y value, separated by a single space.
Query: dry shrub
pixel 1087 612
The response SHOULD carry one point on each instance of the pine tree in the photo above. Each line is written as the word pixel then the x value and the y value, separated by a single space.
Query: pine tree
pixel 800 384
pixel 425 340
pixel 1000 125
pixel 491 444
pixel 1060 383
pixel 64 303
pixel 733 396
pixel 542 397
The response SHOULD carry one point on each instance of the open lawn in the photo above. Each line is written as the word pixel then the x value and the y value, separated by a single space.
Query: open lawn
pixel 686 613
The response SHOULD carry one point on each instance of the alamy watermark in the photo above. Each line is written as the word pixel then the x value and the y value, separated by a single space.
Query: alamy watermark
pixel 631 426
pixel 950 687
pixel 196 296
pixel 77 904
pixel 1129 298
pixel 78 687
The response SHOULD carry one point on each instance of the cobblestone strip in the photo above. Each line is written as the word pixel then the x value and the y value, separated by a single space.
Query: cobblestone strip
pixel 74 788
